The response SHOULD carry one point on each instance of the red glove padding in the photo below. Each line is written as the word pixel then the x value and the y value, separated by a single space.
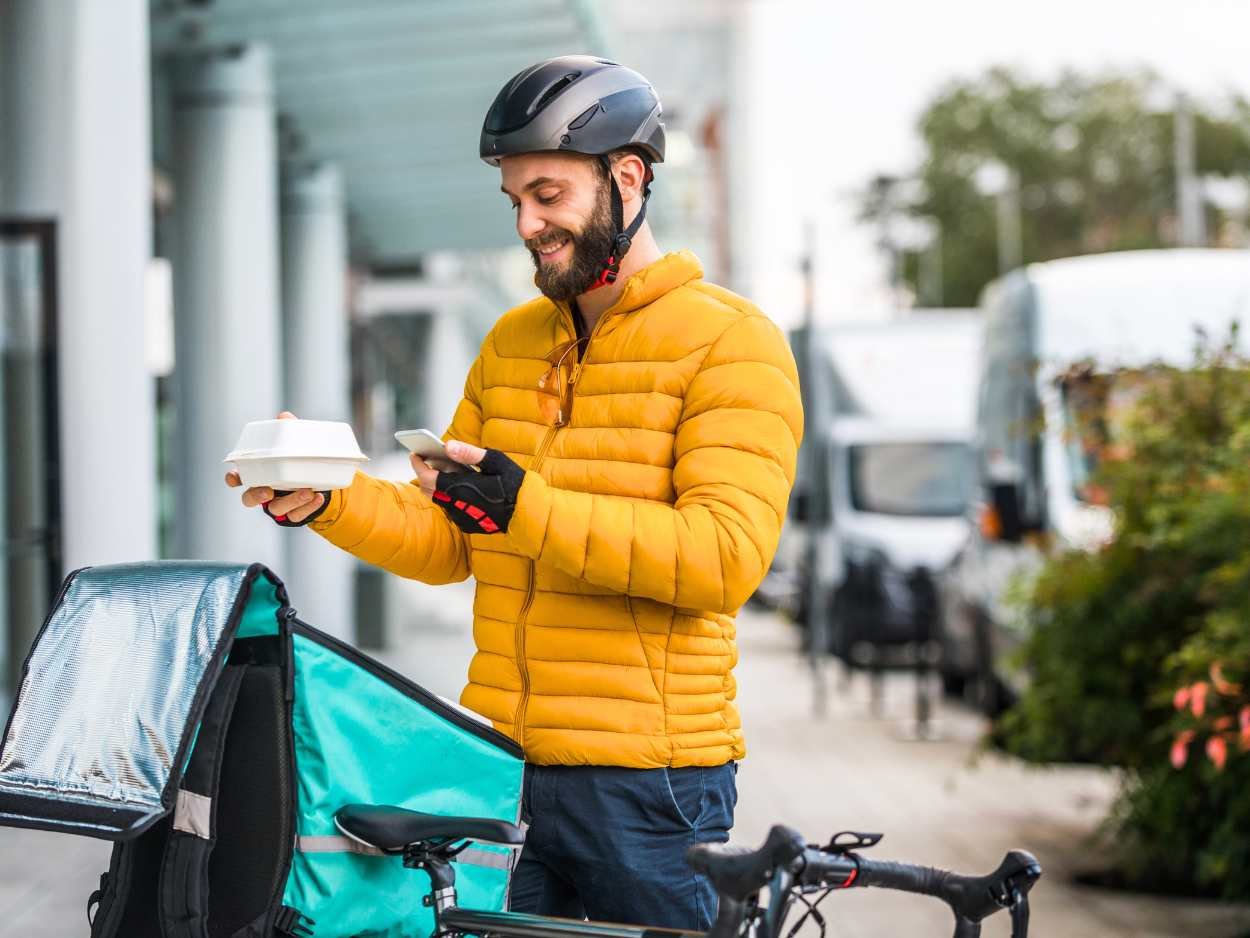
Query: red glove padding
pixel 282 521
pixel 481 502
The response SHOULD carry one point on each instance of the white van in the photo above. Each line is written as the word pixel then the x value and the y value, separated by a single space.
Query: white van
pixel 1114 313
pixel 900 500
pixel 889 411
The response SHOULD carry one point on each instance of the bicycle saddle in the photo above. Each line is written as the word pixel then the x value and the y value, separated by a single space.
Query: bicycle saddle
pixel 392 829
pixel 739 872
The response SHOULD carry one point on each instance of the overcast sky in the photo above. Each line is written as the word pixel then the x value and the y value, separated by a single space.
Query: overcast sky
pixel 837 88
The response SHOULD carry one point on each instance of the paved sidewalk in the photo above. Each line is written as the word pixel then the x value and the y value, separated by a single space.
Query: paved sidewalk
pixel 938 803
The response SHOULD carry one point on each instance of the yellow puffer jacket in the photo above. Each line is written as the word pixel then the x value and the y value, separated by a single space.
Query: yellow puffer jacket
pixel 660 458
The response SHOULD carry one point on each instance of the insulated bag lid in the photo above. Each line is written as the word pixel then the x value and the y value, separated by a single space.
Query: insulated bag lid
pixel 115 686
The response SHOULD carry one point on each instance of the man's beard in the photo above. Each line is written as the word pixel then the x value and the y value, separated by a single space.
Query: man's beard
pixel 591 249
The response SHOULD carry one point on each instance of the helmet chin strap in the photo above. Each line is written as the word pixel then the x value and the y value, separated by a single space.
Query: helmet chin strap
pixel 624 236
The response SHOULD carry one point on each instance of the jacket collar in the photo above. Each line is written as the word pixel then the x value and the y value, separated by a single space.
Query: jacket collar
pixel 656 279
pixel 645 286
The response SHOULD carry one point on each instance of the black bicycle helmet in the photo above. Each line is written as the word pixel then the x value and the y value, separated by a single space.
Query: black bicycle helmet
pixel 580 104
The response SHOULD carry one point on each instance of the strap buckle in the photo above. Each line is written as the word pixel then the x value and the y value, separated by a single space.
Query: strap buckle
pixel 291 922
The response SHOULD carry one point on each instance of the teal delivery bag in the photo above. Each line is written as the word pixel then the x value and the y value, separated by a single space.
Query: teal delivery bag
pixel 184 712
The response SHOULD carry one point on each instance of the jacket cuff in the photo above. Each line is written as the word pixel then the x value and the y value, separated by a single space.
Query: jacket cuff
pixel 527 529
pixel 334 507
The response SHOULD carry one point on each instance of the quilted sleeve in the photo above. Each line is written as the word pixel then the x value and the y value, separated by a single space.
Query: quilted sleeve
pixel 735 450
pixel 393 525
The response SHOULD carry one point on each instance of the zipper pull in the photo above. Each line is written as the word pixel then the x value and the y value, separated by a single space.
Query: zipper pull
pixel 577 370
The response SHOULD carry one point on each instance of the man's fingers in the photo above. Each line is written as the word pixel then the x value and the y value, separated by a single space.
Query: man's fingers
pixel 287 415
pixel 233 480
pixel 257 496
pixel 287 504
pixel 299 514
pixel 464 453
pixel 427 478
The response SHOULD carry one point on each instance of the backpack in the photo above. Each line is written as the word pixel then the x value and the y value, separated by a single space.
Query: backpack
pixel 182 710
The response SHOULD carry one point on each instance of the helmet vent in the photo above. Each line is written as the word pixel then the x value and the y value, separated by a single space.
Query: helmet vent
pixel 554 90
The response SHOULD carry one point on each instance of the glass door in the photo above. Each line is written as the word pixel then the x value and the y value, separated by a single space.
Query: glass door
pixel 30 556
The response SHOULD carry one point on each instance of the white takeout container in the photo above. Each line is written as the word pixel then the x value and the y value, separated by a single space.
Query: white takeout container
pixel 297 454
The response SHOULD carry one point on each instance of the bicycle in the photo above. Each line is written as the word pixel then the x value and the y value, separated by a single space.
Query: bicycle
pixel 789 867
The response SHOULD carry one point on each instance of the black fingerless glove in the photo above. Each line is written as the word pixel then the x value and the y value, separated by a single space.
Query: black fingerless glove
pixel 281 520
pixel 481 502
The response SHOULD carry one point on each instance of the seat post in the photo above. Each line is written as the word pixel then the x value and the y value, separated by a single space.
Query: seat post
pixel 436 861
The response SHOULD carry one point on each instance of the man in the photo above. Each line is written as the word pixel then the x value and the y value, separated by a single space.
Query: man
pixel 640 430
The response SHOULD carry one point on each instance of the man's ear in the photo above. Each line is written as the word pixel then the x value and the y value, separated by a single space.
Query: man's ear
pixel 631 173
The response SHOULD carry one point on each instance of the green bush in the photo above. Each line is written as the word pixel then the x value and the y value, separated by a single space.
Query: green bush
pixel 1125 640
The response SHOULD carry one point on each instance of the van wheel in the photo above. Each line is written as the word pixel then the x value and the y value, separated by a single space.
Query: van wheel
pixel 954 685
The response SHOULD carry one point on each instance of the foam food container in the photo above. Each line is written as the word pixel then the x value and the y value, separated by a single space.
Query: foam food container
pixel 297 454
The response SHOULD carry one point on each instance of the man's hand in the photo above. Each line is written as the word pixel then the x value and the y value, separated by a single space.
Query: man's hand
pixel 293 508
pixel 479 502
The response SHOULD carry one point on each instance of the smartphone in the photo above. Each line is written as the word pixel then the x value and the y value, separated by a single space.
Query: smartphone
pixel 429 446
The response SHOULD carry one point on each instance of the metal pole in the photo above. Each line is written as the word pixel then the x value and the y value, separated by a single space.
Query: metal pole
pixel 1010 236
pixel 1191 223
pixel 931 269
pixel 817 614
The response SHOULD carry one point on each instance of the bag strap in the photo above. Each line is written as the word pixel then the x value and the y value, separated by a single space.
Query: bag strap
pixel 183 894
pixel 104 906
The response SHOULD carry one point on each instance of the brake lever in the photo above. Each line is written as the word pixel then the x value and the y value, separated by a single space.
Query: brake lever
pixel 1019 913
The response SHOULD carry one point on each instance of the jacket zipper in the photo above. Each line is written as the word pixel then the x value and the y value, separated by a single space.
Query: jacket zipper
pixel 519 636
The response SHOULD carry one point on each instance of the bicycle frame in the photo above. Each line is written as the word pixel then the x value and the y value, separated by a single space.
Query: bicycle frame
pixel 451 921
pixel 785 865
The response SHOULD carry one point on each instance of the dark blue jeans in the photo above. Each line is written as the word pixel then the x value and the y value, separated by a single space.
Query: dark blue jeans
pixel 609 844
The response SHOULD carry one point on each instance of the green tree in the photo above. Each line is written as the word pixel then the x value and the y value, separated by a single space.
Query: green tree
pixel 1139 653
pixel 1094 160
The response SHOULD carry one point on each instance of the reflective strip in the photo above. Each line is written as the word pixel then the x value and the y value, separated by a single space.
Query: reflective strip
pixel 334 844
pixel 471 856
pixel 487 858
pixel 193 814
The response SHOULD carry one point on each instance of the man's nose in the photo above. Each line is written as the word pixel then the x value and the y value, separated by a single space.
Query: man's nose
pixel 528 224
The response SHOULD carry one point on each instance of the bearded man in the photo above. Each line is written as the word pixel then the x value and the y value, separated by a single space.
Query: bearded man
pixel 633 433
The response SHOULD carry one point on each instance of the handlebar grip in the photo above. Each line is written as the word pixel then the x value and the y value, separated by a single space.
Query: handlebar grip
pixel 902 876
pixel 830 869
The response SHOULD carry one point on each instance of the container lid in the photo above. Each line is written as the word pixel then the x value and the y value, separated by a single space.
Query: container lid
pixel 298 439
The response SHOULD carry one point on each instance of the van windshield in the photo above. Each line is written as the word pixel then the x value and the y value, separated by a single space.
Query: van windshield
pixel 1096 408
pixel 925 479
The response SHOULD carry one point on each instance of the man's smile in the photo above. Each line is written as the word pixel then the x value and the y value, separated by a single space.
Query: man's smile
pixel 551 252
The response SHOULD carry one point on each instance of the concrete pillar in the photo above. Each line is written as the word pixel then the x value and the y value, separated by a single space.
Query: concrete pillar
pixel 225 257
pixel 317 369
pixel 75 148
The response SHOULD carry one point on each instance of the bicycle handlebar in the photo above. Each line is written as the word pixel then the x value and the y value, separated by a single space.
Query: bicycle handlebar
pixel 738 873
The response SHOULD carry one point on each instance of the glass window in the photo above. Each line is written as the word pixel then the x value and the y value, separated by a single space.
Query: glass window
pixel 1095 410
pixel 29 483
pixel 929 479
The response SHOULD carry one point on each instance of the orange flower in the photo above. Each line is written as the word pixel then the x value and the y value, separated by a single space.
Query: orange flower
pixel 1198 698
pixel 1180 700
pixel 1180 749
pixel 1217 752
pixel 1222 684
